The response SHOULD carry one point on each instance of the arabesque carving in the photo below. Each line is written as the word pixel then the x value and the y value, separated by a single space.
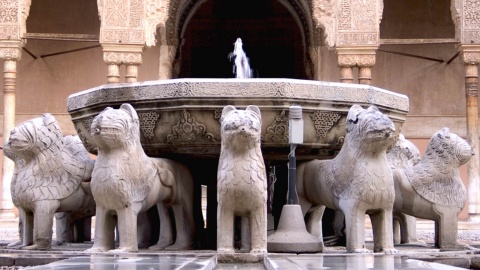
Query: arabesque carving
pixel 433 189
pixel 277 132
pixel 119 58
pixel 187 130
pixel 125 182
pixel 465 17
pixel 241 179
pixel 51 175
pixel 357 181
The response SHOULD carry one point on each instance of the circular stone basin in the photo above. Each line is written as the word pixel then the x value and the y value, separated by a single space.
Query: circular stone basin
pixel 181 116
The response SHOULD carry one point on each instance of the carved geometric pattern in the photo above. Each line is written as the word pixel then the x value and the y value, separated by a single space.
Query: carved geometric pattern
pixel 277 132
pixel 187 130
pixel 148 120
pixel 323 122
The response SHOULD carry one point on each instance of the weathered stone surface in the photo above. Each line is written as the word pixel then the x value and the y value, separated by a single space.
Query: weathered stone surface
pixel 241 180
pixel 51 175
pixel 357 181
pixel 433 189
pixel 125 182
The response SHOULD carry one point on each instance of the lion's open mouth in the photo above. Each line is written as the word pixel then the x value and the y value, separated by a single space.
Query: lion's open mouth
pixel 106 131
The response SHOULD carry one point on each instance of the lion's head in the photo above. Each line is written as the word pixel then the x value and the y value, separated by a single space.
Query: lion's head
pixel 448 149
pixel 116 128
pixel 38 135
pixel 241 128
pixel 369 128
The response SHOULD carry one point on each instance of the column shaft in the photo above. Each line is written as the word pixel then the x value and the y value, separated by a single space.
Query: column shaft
pixel 131 74
pixel 113 73
pixel 471 91
pixel 9 85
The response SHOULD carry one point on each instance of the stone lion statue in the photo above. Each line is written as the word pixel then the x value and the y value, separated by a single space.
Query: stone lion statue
pixel 404 154
pixel 241 180
pixel 357 181
pixel 432 189
pixel 51 174
pixel 125 182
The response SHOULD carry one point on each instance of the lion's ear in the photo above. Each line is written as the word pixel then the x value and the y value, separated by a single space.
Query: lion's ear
pixel 130 110
pixel 51 123
pixel 353 113
pixel 226 110
pixel 255 110
pixel 445 132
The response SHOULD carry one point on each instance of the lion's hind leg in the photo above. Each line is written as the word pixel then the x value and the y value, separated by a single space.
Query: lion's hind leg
pixel 184 225
pixel 165 238
pixel 43 214
pixel 314 222
pixel 447 229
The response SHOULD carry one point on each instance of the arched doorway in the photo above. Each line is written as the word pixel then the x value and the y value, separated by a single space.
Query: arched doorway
pixel 271 37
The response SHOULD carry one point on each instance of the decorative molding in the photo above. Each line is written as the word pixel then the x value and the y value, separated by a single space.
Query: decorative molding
pixel 187 130
pixel 470 54
pixel 324 14
pixel 10 53
pixel 148 121
pixel 277 132
pixel 354 56
pixel 358 22
pixel 260 89
pixel 465 17
pixel 119 58
pixel 323 122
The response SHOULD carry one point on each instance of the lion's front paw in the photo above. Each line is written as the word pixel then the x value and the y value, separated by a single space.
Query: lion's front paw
pixel 180 246
pixel 388 250
pixel 37 247
pixel 15 245
pixel 96 250
pixel 457 246
pixel 360 250
pixel 258 251
pixel 122 250
pixel 225 250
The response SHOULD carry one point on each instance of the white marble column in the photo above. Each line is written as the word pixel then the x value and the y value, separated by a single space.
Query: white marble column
pixel 471 59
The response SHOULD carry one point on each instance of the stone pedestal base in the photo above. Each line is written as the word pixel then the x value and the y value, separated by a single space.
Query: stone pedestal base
pixel 291 235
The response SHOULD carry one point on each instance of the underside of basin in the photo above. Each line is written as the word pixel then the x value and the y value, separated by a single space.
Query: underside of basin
pixel 181 116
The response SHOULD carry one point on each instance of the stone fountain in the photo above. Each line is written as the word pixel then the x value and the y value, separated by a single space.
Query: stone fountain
pixel 180 117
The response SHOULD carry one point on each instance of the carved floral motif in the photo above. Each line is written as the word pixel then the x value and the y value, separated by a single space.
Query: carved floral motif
pixel 277 132
pixel 187 130
pixel 118 58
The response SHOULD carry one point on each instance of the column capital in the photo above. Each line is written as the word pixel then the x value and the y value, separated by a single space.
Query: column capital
pixel 356 56
pixel 122 54
pixel 11 49
pixel 470 54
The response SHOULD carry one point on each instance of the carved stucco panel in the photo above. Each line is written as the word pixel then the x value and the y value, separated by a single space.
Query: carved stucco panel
pixel 148 121
pixel 466 17
pixel 10 53
pixel 359 60
pixel 13 16
pixel 118 58
pixel 324 14
pixel 122 21
pixel 358 22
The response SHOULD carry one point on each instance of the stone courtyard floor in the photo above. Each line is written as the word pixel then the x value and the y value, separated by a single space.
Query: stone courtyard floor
pixel 71 256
